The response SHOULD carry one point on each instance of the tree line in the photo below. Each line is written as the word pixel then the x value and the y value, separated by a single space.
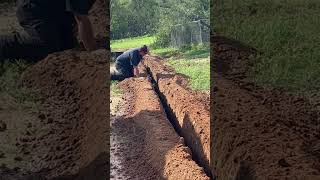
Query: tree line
pixel 132 18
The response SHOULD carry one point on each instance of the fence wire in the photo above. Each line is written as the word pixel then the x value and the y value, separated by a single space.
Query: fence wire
pixel 192 33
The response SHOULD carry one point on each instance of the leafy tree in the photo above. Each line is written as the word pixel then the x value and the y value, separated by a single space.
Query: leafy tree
pixel 130 18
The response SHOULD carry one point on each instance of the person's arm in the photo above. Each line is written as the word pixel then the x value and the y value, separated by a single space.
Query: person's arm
pixel 86 32
pixel 136 71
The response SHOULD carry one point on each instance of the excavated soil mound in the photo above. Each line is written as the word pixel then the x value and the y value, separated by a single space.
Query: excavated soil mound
pixel 259 133
pixel 99 16
pixel 189 110
pixel 74 112
pixel 152 149
pixel 68 139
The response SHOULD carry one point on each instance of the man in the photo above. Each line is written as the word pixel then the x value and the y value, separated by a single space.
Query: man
pixel 126 64
pixel 49 26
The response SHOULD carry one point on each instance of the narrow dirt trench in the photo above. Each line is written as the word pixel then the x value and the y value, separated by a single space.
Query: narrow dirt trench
pixel 259 133
pixel 175 123
pixel 170 129
pixel 188 110
pixel 144 144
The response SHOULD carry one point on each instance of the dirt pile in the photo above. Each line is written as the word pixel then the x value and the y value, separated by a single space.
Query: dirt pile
pixel 152 149
pixel 66 138
pixel 99 16
pixel 74 112
pixel 8 18
pixel 259 133
pixel 189 110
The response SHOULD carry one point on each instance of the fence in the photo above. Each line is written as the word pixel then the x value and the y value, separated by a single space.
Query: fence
pixel 192 33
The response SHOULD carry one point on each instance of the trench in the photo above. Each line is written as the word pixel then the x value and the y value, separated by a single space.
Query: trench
pixel 174 122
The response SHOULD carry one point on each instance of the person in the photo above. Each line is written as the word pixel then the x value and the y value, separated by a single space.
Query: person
pixel 48 26
pixel 126 64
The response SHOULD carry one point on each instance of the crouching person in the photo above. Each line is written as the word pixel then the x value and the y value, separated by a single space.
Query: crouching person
pixel 126 64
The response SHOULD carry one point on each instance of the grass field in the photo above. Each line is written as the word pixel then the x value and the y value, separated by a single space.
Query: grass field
pixel 131 42
pixel 287 34
pixel 193 61
pixel 197 69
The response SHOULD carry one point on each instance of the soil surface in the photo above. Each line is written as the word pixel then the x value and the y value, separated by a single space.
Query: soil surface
pixel 259 133
pixel 144 144
pixel 63 135
pixel 189 109
pixel 8 19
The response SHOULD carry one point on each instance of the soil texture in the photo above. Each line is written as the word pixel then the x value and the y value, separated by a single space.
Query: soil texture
pixel 65 135
pixel 259 133
pixel 144 144
pixel 189 110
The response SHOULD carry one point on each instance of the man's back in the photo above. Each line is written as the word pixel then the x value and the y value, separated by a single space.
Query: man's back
pixel 48 26
pixel 128 59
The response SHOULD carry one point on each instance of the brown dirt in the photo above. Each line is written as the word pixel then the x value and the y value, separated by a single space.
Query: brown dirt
pixel 148 146
pixel 99 16
pixel 73 118
pixel 8 17
pixel 259 133
pixel 66 136
pixel 189 109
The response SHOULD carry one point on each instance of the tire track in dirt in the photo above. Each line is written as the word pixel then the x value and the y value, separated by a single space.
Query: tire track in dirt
pixel 152 150
pixel 258 133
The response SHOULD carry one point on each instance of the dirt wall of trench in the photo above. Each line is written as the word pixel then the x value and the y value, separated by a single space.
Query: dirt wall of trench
pixel 189 109
pixel 259 133
pixel 160 149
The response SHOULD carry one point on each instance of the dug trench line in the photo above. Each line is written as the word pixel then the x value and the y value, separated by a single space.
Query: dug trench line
pixel 259 133
pixel 149 147
pixel 187 111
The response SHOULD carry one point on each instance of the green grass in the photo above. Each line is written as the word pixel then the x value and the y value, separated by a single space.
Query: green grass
pixel 198 70
pixel 165 52
pixel 192 61
pixel 188 52
pixel 285 31
pixel 131 42
pixel 10 83
pixel 114 90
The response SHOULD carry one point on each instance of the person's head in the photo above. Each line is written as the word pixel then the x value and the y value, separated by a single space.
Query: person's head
pixel 144 50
